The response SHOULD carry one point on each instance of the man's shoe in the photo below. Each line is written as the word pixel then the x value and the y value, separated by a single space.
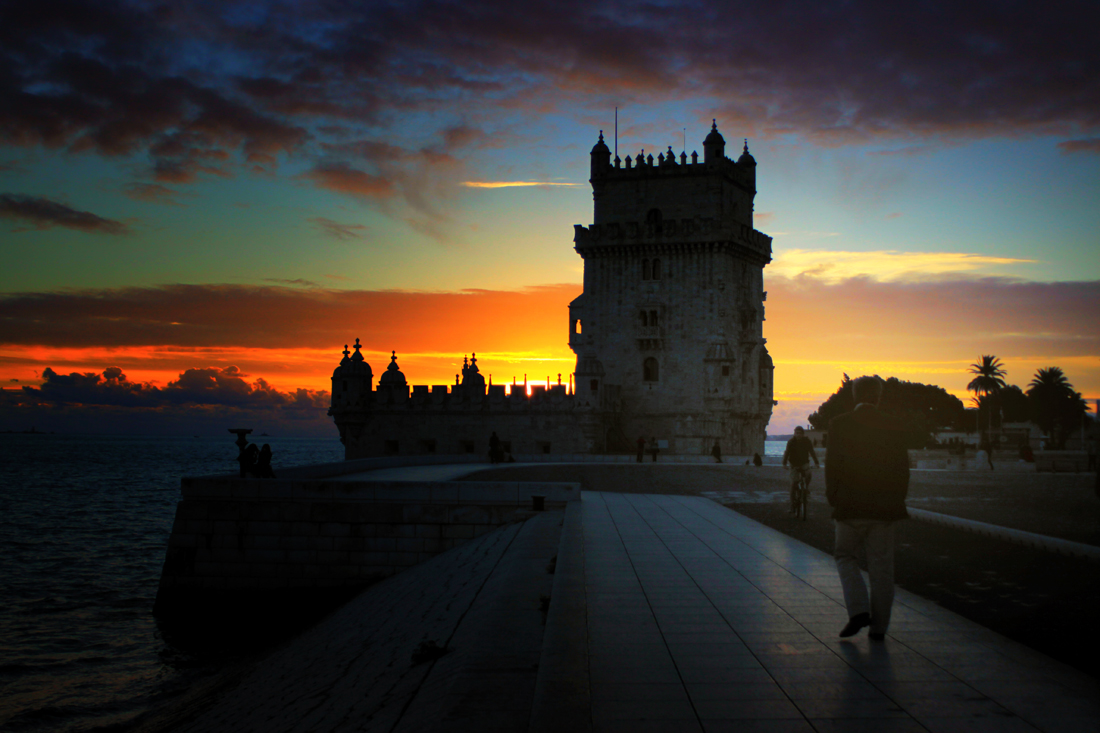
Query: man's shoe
pixel 855 623
pixel 875 636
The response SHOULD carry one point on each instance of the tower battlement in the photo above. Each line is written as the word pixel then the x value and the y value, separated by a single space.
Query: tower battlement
pixel 671 198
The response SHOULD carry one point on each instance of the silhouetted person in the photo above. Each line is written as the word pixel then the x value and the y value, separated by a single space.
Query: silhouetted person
pixel 757 460
pixel 716 451
pixel 496 455
pixel 263 463
pixel 653 448
pixel 641 449
pixel 798 453
pixel 248 460
pixel 866 482
pixel 987 448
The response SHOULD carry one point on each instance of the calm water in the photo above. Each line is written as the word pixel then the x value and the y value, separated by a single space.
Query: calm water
pixel 84 521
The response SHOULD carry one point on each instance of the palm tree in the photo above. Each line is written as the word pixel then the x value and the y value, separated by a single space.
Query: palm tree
pixel 1055 406
pixel 988 382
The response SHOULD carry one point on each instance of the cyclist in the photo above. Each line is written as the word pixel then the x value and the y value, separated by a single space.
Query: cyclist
pixel 800 450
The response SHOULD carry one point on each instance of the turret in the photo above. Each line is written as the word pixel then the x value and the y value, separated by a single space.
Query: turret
pixel 601 158
pixel 351 393
pixel 714 146
pixel 748 162
pixel 473 384
pixel 392 386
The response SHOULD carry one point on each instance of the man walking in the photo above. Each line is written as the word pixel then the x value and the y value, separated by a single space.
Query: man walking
pixel 866 481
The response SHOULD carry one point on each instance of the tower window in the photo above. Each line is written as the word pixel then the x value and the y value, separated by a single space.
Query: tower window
pixel 645 319
pixel 645 269
pixel 656 269
pixel 653 319
pixel 649 370
pixel 725 370
pixel 595 385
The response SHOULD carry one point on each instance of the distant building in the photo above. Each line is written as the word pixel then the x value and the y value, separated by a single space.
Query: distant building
pixel 668 332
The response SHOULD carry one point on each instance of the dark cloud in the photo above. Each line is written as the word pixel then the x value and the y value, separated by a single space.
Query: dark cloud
pixel 91 77
pixel 200 386
pixel 42 213
pixel 299 281
pixel 336 230
pixel 422 177
pixel 267 317
pixel 1091 145
pixel 204 87
pixel 201 398
pixel 153 193
pixel 342 178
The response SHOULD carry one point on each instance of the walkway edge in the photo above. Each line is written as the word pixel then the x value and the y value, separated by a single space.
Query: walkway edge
pixel 1019 536
pixel 563 698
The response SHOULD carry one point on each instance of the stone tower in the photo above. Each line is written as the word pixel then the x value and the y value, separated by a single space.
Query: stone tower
pixel 668 332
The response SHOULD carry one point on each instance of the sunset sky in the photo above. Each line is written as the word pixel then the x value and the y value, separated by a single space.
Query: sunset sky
pixel 201 203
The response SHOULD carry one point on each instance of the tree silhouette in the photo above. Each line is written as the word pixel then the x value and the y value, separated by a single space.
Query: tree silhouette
pixel 1055 407
pixel 987 384
pixel 1014 404
pixel 923 408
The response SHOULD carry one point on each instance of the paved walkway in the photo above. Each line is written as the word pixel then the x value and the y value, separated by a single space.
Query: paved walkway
pixel 698 618
pixel 667 613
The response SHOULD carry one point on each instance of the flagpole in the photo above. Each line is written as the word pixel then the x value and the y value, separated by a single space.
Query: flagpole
pixel 616 132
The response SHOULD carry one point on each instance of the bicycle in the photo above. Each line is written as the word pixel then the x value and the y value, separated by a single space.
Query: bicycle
pixel 802 500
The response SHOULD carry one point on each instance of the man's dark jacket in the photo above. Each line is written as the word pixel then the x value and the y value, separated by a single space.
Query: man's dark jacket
pixel 867 465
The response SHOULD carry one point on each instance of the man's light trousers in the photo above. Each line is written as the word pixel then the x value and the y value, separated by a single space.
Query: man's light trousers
pixel 873 539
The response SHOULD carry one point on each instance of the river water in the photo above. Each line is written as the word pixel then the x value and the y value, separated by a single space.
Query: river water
pixel 84 522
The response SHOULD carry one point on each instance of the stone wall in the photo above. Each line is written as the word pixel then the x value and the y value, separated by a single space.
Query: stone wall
pixel 234 536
